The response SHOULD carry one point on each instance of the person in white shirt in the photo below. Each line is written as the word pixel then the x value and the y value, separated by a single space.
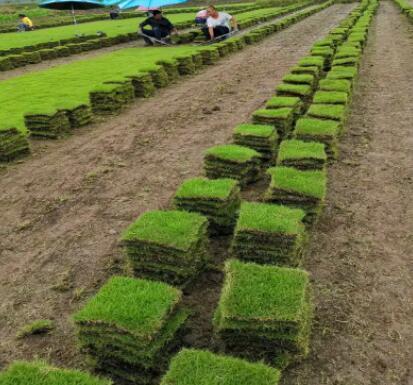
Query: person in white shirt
pixel 218 23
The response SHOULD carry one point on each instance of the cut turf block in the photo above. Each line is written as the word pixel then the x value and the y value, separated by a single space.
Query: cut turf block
pixel 198 367
pixel 167 245
pixel 110 98
pixel 310 61
pixel 335 85
pixel 328 111
pixel 79 116
pixel 261 138
pixel 312 70
pixel 234 162
pixel 302 155
pixel 342 73
pixel 40 373
pixel 285 101
pixel 216 199
pixel 331 97
pixel 264 312
pixel 130 327
pixel 303 91
pixel 143 85
pixel 281 118
pixel 53 125
pixel 268 233
pixel 324 131
pixel 348 61
pixel 299 189
pixel 300 79
pixel 13 144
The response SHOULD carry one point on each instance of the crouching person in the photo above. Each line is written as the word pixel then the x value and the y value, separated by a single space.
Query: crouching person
pixel 218 23
pixel 161 27
pixel 25 24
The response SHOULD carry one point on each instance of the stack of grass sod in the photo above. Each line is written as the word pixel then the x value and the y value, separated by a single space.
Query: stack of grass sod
pixel 305 189
pixel 302 155
pixel 282 119
pixel 200 367
pixel 216 199
pixel 48 125
pixel 13 144
pixel 40 373
pixel 130 327
pixel 111 98
pixel 171 246
pixel 259 137
pixel 233 162
pixel 317 130
pixel 264 312
pixel 269 233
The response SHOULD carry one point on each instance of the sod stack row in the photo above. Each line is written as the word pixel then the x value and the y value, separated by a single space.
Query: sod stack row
pixel 406 7
pixel 54 124
pixel 264 313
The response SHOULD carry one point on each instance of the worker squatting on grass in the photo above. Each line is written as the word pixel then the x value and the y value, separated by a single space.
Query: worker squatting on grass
pixel 25 24
pixel 218 23
pixel 161 27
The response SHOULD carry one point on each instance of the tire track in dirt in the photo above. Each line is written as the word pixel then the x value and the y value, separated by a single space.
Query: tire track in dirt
pixel 361 252
pixel 64 208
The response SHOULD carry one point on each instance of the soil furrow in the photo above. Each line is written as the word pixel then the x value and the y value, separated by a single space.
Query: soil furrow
pixel 64 208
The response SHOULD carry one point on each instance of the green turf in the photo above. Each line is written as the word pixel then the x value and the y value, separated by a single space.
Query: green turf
pixel 260 130
pixel 307 61
pixel 283 101
pixel 296 149
pixel 269 218
pixel 136 305
pixel 197 367
pixel 40 373
pixel 330 97
pixel 262 293
pixel 335 85
pixel 294 89
pixel 328 111
pixel 176 229
pixel 299 79
pixel 310 182
pixel 281 113
pixel 310 126
pixel 233 152
pixel 206 188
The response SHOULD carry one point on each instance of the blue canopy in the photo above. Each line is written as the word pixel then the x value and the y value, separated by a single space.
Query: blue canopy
pixel 127 4
pixel 71 4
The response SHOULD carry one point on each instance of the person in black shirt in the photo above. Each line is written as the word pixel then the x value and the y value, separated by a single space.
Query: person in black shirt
pixel 161 27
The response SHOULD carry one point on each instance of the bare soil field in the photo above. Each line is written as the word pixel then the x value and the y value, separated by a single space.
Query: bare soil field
pixel 361 253
pixel 63 208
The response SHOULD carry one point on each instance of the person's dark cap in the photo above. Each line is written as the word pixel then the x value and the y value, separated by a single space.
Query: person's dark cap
pixel 22 15
pixel 156 12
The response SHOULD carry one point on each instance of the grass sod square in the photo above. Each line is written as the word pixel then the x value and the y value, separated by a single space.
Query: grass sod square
pixel 13 144
pixel 328 111
pixel 131 323
pixel 305 189
pixel 285 101
pixel 216 199
pixel 342 73
pixel 312 70
pixel 303 91
pixel 198 367
pixel 281 118
pixel 302 155
pixel 234 162
pixel 299 79
pixel 335 85
pixel 264 312
pixel 261 138
pixel 309 61
pixel 331 97
pixel 169 244
pixel 318 130
pixel 267 233
pixel 40 373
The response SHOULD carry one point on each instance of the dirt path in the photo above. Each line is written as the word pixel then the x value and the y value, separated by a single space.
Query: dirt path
pixel 361 255
pixel 64 208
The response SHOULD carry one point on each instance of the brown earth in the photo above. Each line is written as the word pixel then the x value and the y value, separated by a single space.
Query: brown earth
pixel 361 253
pixel 64 208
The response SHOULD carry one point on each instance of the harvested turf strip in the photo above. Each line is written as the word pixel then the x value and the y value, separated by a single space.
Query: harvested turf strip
pixel 264 312
pixel 281 118
pixel 302 155
pixel 303 91
pixel 261 138
pixel 130 326
pixel 331 97
pixel 198 367
pixel 234 162
pixel 268 233
pixel 53 125
pixel 167 245
pixel 298 188
pixel 285 101
pixel 216 199
pixel 13 144
pixel 40 373
pixel 328 111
